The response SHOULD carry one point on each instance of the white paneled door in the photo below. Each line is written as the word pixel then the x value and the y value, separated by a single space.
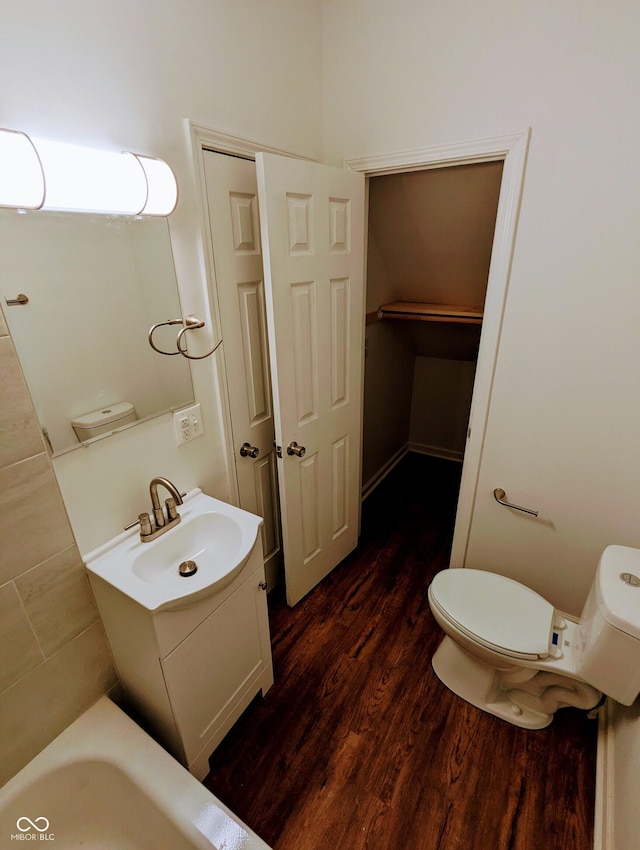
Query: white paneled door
pixel 312 225
pixel 235 235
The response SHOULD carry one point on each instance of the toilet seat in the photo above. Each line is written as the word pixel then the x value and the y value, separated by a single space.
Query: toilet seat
pixel 494 611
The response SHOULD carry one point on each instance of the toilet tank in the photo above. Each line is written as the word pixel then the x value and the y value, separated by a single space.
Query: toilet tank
pixel 108 418
pixel 608 651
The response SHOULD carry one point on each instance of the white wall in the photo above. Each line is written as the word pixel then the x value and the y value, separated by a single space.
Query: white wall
pixel 563 430
pixel 388 386
pixel 124 76
pixel 440 406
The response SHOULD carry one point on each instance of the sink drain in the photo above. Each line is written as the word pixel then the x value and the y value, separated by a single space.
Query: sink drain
pixel 187 568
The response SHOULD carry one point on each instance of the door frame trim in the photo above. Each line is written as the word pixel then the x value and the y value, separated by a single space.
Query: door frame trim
pixel 512 149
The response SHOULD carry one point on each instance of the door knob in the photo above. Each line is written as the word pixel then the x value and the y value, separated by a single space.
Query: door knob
pixel 294 449
pixel 247 450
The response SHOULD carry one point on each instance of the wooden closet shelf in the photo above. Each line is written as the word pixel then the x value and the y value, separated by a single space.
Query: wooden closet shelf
pixel 420 312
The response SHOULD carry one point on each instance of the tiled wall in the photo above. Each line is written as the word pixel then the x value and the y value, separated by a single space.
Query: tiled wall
pixel 54 658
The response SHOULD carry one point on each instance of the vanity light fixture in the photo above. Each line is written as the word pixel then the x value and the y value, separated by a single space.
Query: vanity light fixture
pixel 79 179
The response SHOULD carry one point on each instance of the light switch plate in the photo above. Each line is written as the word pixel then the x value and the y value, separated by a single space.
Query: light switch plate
pixel 187 424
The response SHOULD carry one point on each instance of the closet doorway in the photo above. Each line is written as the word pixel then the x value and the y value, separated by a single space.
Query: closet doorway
pixel 430 235
pixel 413 352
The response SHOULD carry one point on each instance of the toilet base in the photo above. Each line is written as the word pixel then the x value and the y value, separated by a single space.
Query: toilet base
pixel 511 696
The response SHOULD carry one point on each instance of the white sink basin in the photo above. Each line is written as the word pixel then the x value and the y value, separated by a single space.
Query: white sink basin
pixel 217 536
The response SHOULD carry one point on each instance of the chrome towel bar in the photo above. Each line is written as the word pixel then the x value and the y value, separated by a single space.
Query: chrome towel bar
pixel 19 299
pixel 501 497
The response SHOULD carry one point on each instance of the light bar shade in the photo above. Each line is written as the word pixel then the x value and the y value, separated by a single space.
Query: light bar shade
pixel 162 188
pixel 21 175
pixel 86 180
pixel 40 174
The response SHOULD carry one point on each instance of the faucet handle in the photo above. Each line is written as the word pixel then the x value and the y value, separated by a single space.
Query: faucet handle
pixel 172 512
pixel 144 521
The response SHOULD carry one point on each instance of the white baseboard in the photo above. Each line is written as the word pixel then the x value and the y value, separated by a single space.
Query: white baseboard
pixel 604 811
pixel 436 451
pixel 381 474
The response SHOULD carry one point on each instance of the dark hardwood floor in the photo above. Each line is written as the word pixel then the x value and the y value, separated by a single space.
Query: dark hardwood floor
pixel 358 744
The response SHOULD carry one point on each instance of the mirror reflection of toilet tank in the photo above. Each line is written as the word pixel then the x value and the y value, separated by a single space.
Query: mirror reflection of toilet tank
pixel 102 421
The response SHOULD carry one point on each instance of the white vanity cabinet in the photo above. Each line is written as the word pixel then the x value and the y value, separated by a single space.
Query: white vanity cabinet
pixel 189 673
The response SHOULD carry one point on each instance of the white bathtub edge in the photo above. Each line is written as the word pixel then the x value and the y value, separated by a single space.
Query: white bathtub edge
pixel 105 733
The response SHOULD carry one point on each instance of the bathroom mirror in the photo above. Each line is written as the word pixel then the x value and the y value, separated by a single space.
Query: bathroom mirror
pixel 95 285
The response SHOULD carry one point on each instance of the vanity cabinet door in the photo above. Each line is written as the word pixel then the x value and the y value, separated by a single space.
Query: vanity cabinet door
pixel 217 664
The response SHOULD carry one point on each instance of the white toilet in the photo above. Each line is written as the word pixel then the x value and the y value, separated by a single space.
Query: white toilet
pixel 507 651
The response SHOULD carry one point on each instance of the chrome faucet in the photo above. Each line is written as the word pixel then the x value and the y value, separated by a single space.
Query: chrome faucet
pixel 176 499
pixel 153 526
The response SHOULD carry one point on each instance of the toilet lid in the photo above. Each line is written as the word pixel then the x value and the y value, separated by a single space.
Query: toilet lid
pixel 498 612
